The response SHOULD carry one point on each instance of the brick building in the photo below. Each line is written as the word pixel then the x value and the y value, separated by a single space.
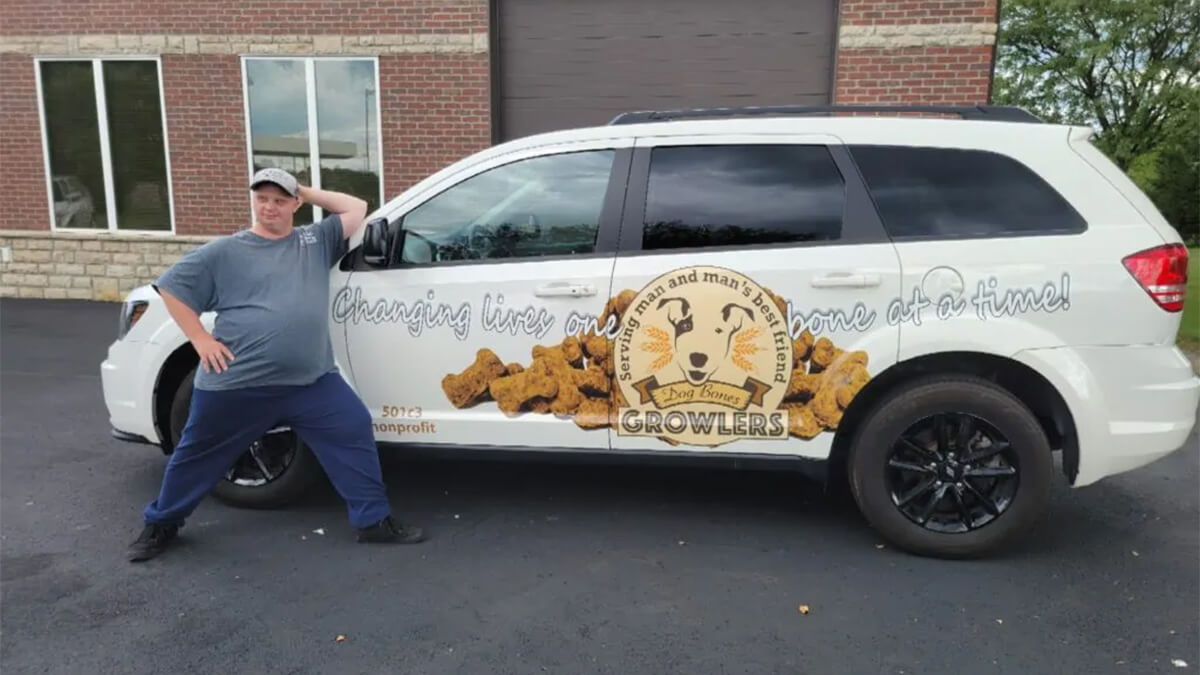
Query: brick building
pixel 128 129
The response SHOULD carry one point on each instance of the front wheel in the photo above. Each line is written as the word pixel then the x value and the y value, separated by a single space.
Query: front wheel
pixel 951 467
pixel 275 469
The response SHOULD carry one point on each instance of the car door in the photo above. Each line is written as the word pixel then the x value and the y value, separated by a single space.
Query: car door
pixel 465 338
pixel 758 293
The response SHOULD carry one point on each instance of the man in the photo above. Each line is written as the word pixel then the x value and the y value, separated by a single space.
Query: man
pixel 269 361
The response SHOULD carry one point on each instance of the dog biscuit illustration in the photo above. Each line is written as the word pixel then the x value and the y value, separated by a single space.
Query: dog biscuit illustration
pixel 803 386
pixel 554 361
pixel 595 347
pixel 570 351
pixel 513 391
pixel 593 413
pixel 466 388
pixel 802 347
pixel 538 405
pixel 592 381
pixel 617 305
pixel 575 379
pixel 802 422
pixel 843 379
pixel 779 302
pixel 823 354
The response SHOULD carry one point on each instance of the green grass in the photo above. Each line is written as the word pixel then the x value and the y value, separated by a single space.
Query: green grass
pixel 1189 328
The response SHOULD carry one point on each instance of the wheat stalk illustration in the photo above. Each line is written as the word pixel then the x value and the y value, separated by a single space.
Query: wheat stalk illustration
pixel 743 346
pixel 660 343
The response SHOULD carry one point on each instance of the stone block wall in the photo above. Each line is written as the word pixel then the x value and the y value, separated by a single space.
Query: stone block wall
pixel 85 267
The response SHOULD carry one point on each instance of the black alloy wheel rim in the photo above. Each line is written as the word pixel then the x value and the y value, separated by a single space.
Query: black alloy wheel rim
pixel 265 460
pixel 952 473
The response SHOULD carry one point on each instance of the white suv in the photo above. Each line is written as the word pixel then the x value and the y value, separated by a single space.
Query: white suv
pixel 929 309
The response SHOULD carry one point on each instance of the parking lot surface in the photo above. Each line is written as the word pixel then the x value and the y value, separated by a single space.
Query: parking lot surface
pixel 543 568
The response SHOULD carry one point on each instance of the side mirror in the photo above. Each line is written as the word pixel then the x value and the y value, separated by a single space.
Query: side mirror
pixel 377 242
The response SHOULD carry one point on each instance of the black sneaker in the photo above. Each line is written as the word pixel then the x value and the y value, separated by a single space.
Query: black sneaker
pixel 388 531
pixel 152 541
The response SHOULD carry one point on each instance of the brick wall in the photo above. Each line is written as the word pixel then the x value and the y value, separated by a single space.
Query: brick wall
pixel 206 133
pixel 915 52
pixel 437 112
pixel 220 17
pixel 22 172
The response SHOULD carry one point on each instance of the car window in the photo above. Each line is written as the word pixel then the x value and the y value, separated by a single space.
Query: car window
pixel 542 206
pixel 949 192
pixel 732 195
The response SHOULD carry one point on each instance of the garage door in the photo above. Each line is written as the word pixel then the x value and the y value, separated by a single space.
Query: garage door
pixel 566 63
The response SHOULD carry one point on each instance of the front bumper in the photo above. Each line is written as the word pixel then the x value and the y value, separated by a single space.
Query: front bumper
pixel 128 392
pixel 1132 405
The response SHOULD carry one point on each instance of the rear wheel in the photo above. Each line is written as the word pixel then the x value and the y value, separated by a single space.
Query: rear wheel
pixel 275 469
pixel 951 467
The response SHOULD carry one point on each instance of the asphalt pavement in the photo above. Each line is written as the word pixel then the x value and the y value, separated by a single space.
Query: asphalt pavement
pixel 543 568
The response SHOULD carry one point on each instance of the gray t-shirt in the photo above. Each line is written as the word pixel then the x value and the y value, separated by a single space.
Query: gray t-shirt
pixel 271 297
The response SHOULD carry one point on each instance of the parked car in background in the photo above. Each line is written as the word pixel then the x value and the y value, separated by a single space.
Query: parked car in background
pixel 73 205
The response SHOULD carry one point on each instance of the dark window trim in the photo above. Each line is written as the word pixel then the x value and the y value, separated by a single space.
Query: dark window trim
pixel 861 223
pixel 495 71
pixel 1019 234
pixel 606 233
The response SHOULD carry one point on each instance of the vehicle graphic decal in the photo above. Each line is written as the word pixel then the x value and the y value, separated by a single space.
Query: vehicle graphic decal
pixel 700 356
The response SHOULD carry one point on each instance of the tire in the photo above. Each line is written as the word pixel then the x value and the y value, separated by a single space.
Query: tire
pixel 294 467
pixel 895 482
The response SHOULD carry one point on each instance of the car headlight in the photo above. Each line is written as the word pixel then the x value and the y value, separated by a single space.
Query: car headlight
pixel 130 313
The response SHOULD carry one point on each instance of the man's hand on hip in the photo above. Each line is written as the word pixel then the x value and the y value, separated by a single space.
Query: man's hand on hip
pixel 214 356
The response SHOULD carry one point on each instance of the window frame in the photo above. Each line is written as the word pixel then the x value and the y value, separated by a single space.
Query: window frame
pixel 608 227
pixel 1018 234
pixel 314 139
pixel 860 221
pixel 100 101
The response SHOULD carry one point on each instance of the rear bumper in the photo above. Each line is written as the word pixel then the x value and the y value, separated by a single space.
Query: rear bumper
pixel 1131 405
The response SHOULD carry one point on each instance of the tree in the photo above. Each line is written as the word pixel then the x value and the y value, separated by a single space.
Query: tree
pixel 1128 68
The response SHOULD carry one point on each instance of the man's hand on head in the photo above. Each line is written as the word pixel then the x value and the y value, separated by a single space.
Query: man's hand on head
pixel 353 211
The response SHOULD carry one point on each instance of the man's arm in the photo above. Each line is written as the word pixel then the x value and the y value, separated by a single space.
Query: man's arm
pixel 352 209
pixel 214 356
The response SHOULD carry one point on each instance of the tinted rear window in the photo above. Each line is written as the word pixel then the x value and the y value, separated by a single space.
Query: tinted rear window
pixel 739 195
pixel 949 193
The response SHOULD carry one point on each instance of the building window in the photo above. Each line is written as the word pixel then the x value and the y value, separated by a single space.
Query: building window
pixel 319 119
pixel 105 144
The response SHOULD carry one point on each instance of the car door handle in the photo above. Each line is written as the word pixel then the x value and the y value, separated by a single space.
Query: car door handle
pixel 561 288
pixel 846 280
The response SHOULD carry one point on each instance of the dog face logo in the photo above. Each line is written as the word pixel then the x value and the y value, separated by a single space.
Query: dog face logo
pixel 702 340
pixel 703 357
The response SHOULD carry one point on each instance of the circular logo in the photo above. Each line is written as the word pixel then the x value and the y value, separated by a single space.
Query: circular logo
pixel 703 358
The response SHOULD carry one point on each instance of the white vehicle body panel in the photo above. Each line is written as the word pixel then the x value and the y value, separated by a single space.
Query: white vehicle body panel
pixel 1084 324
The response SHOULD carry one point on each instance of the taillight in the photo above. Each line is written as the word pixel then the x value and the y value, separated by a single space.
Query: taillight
pixel 1162 272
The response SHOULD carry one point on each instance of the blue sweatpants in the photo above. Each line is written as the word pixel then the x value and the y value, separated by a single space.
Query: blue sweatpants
pixel 327 415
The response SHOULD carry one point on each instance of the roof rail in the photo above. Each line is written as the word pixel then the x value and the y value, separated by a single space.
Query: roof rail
pixel 973 112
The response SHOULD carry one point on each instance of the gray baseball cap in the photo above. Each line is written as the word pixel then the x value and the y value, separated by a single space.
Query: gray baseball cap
pixel 279 177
